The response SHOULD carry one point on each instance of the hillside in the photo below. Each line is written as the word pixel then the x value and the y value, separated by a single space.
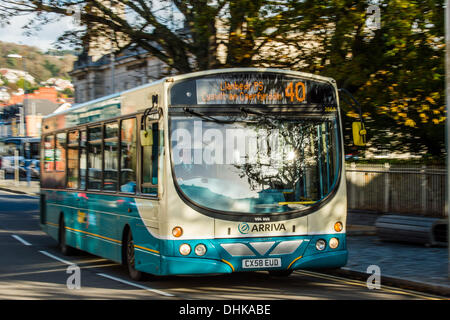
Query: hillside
pixel 40 65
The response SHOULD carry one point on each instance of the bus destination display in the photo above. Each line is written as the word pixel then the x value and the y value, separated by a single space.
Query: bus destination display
pixel 218 91
pixel 252 89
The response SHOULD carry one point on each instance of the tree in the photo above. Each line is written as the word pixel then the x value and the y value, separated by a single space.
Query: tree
pixel 396 71
pixel 186 35
pixel 52 68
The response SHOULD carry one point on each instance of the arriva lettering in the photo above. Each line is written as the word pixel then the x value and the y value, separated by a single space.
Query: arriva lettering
pixel 267 227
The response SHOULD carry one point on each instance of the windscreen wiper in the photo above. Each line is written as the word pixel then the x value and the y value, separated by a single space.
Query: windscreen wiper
pixel 204 116
pixel 251 111
pixel 263 115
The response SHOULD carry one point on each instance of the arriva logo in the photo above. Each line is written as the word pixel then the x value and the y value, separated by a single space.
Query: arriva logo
pixel 244 228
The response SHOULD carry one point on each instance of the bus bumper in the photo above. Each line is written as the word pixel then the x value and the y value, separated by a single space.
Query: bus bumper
pixel 179 266
pixel 175 265
pixel 217 260
pixel 330 260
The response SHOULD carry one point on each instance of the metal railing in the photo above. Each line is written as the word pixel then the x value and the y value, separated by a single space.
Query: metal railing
pixel 411 189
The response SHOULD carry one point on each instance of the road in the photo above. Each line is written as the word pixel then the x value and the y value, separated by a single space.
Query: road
pixel 31 267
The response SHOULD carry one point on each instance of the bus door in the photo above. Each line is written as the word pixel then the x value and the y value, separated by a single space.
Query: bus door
pixel 148 206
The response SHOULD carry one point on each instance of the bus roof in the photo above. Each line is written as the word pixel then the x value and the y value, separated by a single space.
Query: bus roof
pixel 193 75
pixel 230 70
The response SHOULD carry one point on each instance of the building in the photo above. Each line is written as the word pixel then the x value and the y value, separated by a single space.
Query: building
pixel 32 107
pixel 95 75
pixel 96 78
pixel 13 75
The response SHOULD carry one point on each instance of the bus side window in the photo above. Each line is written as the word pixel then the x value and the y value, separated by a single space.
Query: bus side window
pixel 95 157
pixel 60 151
pixel 150 163
pixel 49 153
pixel 83 159
pixel 72 160
pixel 111 156
pixel 128 156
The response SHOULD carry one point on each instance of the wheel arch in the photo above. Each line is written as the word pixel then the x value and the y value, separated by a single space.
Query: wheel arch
pixel 126 229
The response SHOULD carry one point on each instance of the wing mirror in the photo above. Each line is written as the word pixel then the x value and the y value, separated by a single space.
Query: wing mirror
pixel 359 133
pixel 147 137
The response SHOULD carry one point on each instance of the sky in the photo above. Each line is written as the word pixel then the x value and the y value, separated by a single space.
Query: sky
pixel 42 39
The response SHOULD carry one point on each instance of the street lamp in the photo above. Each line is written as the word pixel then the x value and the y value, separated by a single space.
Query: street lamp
pixel 22 112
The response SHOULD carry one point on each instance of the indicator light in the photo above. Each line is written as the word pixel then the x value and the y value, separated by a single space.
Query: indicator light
pixel 338 226
pixel 177 232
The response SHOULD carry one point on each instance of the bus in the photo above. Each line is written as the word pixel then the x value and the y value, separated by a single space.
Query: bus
pixel 28 151
pixel 212 172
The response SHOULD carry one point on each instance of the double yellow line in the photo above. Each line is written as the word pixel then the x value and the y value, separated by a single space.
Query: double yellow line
pixel 363 284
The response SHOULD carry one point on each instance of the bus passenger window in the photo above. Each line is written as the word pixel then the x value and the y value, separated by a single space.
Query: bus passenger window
pixel 128 156
pixel 150 163
pixel 95 158
pixel 83 159
pixel 49 153
pixel 72 160
pixel 60 152
pixel 111 154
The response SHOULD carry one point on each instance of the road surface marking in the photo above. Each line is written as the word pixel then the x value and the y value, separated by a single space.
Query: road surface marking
pixel 363 284
pixel 56 258
pixel 136 285
pixel 21 240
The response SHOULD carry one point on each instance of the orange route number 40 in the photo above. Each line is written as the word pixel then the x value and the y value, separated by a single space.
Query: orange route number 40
pixel 293 91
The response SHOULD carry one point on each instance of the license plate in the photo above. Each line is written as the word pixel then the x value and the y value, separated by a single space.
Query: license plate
pixel 261 263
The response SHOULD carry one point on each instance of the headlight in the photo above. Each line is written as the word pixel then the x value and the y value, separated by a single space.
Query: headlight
pixel 321 244
pixel 334 243
pixel 200 249
pixel 185 249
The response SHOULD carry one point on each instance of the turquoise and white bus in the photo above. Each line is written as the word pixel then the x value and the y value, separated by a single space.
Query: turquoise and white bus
pixel 211 172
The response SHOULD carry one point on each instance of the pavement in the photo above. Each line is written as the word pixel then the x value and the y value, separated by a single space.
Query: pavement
pixel 408 266
pixel 20 187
